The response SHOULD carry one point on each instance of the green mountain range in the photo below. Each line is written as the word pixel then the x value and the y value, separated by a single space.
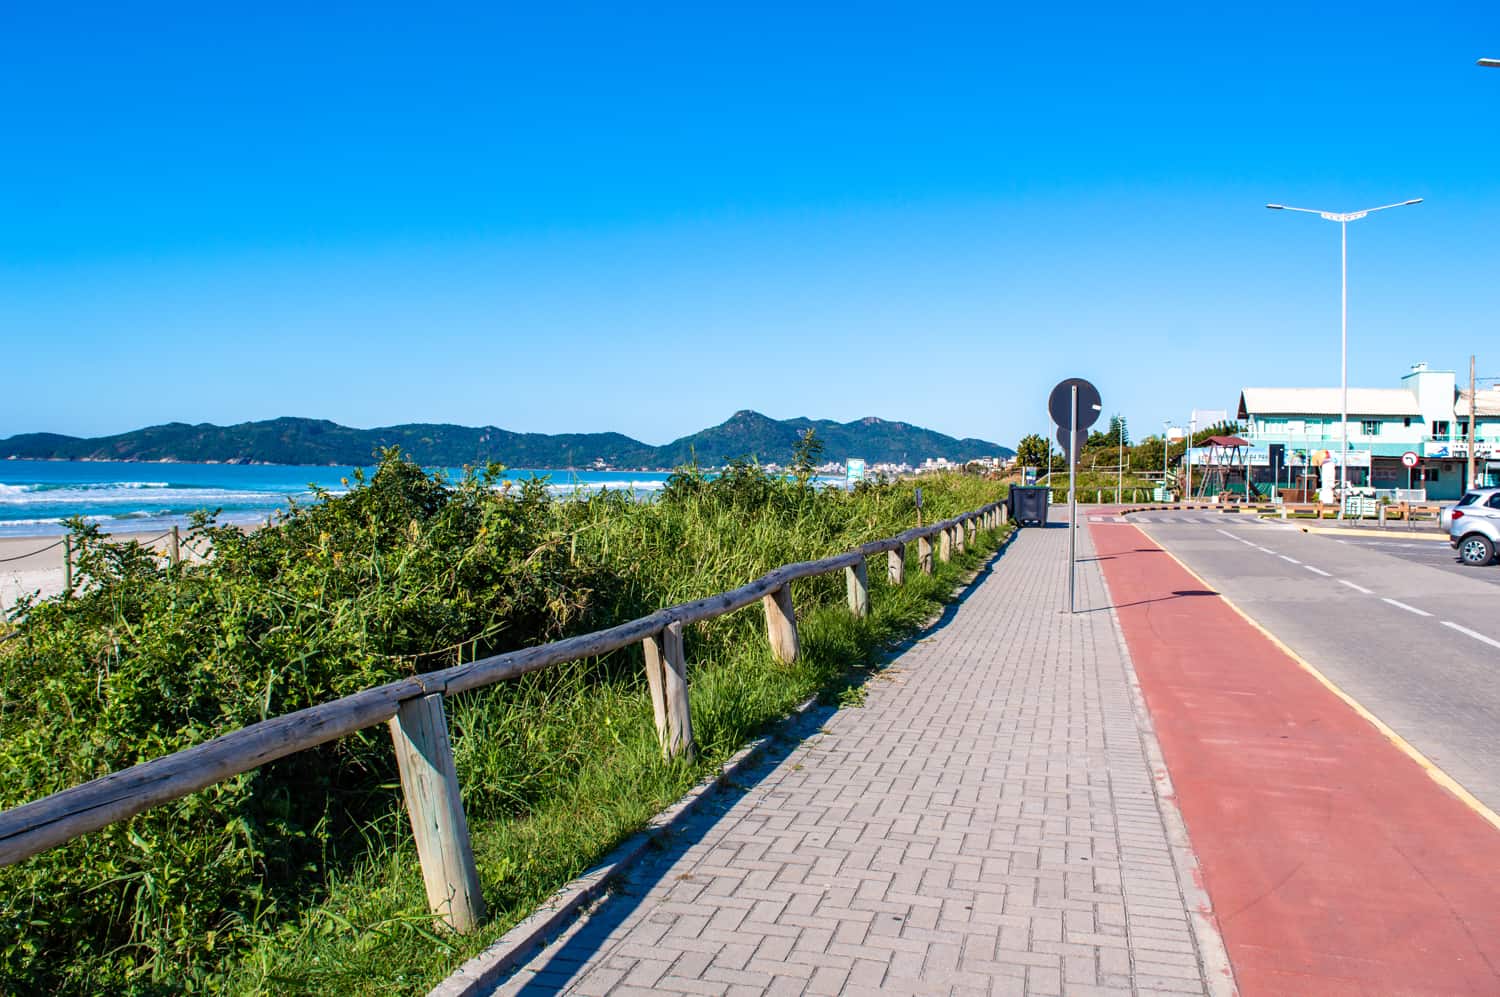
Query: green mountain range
pixel 318 441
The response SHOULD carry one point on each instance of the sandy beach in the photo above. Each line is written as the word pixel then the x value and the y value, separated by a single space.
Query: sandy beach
pixel 30 564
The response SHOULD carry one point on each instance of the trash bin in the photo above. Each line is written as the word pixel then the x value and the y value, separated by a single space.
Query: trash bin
pixel 1028 504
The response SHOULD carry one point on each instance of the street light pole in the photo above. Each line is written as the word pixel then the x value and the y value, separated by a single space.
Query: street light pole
pixel 1187 460
pixel 1343 218
pixel 1166 424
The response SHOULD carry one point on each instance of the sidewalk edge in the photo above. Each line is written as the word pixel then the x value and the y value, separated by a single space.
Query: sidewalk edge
pixel 1218 974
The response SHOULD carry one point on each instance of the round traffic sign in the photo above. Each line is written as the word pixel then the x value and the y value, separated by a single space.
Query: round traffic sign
pixel 1069 452
pixel 1409 459
pixel 1060 403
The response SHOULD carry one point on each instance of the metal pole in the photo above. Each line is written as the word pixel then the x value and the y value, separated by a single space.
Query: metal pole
pixel 1120 471
pixel 1072 456
pixel 1187 460
pixel 1473 418
pixel 1164 427
pixel 1344 362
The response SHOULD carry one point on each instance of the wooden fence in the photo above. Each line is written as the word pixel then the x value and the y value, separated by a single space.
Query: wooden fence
pixel 413 709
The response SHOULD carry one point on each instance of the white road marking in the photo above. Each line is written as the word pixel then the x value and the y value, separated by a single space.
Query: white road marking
pixel 1357 588
pixel 1266 549
pixel 1409 609
pixel 1291 559
pixel 1317 571
pixel 1227 534
pixel 1477 636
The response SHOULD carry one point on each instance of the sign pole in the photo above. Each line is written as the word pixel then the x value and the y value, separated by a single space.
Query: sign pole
pixel 1072 501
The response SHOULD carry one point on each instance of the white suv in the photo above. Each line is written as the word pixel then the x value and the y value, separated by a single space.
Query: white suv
pixel 1474 526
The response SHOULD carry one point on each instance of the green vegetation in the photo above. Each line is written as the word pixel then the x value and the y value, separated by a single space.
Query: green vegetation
pixel 301 877
pixel 317 441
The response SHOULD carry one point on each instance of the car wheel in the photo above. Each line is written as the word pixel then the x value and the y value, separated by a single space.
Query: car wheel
pixel 1476 550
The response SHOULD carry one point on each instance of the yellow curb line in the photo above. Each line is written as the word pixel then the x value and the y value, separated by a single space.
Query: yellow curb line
pixel 1436 774
pixel 1397 534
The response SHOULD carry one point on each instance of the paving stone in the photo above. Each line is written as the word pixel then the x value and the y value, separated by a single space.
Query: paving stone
pixel 986 822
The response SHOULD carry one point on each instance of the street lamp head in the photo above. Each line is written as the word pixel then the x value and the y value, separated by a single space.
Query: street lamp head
pixel 1415 200
pixel 1277 207
pixel 1488 62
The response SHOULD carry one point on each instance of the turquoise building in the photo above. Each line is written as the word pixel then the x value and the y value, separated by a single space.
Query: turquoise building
pixel 1424 422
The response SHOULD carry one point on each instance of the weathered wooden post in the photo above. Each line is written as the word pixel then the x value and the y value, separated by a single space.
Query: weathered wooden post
pixel 895 565
pixel 428 781
pixel 174 549
pixel 958 536
pixel 68 565
pixel 656 679
pixel 674 685
pixel 945 545
pixel 972 528
pixel 781 624
pixel 857 583
pixel 1004 511
pixel 924 555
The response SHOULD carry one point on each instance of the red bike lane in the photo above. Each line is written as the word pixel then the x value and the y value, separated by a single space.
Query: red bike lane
pixel 1334 863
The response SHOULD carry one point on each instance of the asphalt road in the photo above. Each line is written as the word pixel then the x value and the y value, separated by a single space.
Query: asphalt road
pixel 1413 638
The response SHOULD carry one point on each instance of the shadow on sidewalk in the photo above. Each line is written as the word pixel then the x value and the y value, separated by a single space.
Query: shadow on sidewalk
pixel 561 962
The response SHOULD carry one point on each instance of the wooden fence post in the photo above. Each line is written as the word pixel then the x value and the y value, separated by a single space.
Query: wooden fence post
pixel 895 565
pixel 924 555
pixel 656 678
pixel 174 551
pixel 674 683
pixel 781 624
pixel 428 781
pixel 958 536
pixel 1004 514
pixel 857 582
pixel 68 565
pixel 972 528
pixel 945 545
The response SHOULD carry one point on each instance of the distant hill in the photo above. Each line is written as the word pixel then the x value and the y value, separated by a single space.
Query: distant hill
pixel 317 441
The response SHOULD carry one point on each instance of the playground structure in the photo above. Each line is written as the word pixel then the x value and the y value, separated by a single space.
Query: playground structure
pixel 1223 455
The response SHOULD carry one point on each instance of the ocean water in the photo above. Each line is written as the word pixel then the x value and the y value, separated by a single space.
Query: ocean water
pixel 131 497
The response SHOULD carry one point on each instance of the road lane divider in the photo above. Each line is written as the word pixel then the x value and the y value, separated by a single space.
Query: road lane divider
pixel 1402 605
pixel 1292 560
pixel 1357 588
pixel 1318 571
pixel 1472 633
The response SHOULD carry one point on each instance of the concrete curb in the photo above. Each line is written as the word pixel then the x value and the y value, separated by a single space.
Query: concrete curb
pixel 489 967
pixel 1359 532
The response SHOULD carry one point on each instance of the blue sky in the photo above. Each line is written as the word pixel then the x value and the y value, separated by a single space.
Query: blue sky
pixel 590 219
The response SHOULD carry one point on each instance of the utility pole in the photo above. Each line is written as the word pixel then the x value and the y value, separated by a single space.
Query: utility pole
pixel 1473 418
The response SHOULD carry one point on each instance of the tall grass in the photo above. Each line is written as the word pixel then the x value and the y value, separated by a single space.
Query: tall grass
pixel 301 878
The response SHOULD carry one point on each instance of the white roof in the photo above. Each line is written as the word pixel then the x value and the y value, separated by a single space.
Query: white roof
pixel 1489 402
pixel 1327 401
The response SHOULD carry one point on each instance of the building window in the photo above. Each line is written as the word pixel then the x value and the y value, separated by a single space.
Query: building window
pixel 1406 423
pixel 1463 428
pixel 1370 427
pixel 1434 474
pixel 1440 427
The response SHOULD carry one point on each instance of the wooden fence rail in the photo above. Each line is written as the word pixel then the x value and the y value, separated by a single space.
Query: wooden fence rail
pixel 413 707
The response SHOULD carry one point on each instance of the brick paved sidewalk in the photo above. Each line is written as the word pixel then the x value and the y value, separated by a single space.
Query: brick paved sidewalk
pixel 986 823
